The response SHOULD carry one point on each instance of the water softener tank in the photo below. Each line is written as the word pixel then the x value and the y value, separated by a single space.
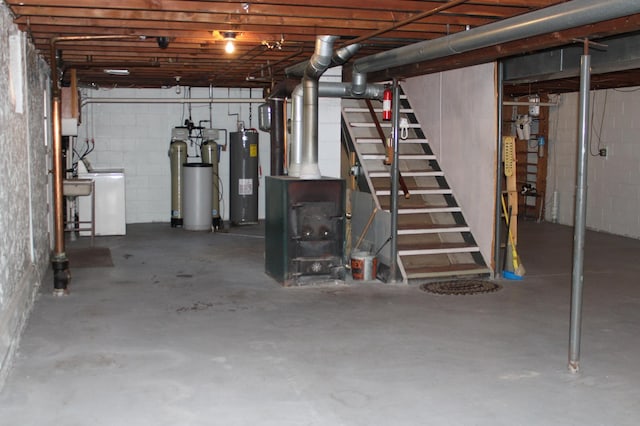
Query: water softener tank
pixel 197 196
pixel 243 170
pixel 177 157
pixel 209 151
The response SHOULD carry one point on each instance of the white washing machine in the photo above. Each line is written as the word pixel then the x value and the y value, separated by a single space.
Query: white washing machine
pixel 110 202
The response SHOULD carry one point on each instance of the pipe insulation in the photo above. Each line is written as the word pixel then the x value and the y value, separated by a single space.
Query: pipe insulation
pixel 559 17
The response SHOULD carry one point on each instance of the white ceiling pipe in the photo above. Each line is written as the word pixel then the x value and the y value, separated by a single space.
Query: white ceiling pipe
pixel 170 101
pixel 513 103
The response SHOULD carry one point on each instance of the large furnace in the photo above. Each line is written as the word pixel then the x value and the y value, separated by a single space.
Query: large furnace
pixel 304 229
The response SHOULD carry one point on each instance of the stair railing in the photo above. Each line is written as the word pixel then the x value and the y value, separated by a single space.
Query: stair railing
pixel 383 139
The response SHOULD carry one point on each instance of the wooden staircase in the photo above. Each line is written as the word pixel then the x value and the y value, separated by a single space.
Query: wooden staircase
pixel 434 239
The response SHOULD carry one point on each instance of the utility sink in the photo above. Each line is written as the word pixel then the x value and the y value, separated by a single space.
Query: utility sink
pixel 77 187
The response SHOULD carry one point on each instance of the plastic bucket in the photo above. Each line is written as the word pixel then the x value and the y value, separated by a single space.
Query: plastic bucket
pixel 363 266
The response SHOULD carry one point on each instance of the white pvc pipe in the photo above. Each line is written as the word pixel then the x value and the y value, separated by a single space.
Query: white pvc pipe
pixel 170 101
pixel 512 103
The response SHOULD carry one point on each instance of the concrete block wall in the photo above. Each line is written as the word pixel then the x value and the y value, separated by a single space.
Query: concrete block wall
pixel 613 194
pixel 25 243
pixel 458 113
pixel 135 137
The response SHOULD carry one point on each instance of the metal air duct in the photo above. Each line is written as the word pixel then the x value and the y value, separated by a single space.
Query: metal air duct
pixel 304 146
pixel 543 21
pixel 303 153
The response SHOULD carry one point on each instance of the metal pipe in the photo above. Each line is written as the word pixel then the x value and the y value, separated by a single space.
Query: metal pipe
pixel 577 277
pixel 321 58
pixel 285 153
pixel 410 20
pixel 210 105
pixel 168 101
pixel 340 57
pixel 327 90
pixel 59 259
pixel 513 103
pixel 277 132
pixel 309 168
pixel 316 66
pixel 543 21
pixel 295 148
pixel 497 238
pixel 395 182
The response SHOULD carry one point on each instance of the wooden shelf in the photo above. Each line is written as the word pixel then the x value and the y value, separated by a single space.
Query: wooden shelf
pixel 527 172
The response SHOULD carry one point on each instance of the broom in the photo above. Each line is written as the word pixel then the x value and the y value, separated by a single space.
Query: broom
pixel 518 269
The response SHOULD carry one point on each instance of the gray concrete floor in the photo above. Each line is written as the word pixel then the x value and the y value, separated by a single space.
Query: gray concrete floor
pixel 186 329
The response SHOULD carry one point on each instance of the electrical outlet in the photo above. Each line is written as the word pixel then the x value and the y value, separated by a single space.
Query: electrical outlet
pixel 603 152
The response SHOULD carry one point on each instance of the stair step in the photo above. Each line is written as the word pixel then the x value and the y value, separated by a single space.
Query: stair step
pixel 382 184
pixel 428 210
pixel 415 229
pixel 423 191
pixel 407 174
pixel 458 269
pixel 417 249
pixel 402 157
pixel 383 125
pixel 402 141
pixel 366 110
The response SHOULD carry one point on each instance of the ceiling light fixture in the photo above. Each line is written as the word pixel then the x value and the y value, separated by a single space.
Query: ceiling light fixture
pixel 117 71
pixel 230 37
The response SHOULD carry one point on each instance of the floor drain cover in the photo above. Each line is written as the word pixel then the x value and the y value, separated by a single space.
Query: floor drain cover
pixel 461 287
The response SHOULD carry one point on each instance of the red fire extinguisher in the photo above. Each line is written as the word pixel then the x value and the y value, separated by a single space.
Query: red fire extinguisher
pixel 386 104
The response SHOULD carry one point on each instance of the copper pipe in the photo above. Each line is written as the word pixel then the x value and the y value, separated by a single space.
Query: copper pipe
pixel 59 261
pixel 57 177
pixel 407 21
pixel 57 154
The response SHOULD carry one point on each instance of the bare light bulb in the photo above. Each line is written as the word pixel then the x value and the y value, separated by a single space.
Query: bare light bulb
pixel 229 47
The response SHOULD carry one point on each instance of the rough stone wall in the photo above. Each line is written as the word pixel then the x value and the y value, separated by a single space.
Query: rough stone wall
pixel 24 245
